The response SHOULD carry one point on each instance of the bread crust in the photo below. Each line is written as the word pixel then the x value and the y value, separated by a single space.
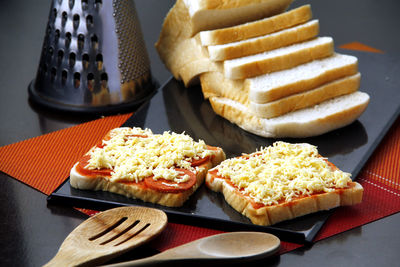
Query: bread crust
pixel 297 128
pixel 269 215
pixel 178 44
pixel 277 63
pixel 256 28
pixel 306 99
pixel 330 74
pixel 212 14
pixel 265 43
pixel 137 191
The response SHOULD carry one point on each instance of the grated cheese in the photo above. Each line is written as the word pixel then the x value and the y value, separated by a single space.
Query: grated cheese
pixel 133 157
pixel 282 172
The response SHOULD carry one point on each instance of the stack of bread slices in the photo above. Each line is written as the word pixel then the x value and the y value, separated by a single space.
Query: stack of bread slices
pixel 262 66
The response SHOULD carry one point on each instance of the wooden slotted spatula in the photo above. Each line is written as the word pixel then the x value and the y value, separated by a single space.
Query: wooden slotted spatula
pixel 109 234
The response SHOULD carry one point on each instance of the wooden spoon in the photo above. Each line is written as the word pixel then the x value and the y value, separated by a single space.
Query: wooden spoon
pixel 109 234
pixel 235 246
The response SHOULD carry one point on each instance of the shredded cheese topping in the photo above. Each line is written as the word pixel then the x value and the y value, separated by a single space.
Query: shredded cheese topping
pixel 134 154
pixel 282 172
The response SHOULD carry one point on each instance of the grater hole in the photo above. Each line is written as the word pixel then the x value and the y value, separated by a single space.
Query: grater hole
pixel 64 18
pixel 72 59
pixel 54 14
pixel 99 61
pixel 104 80
pixel 89 21
pixel 51 51
pixel 53 74
pixel 57 35
pixel 60 56
pixel 85 60
pixel 84 4
pixel 64 76
pixel 98 3
pixel 68 38
pixel 71 3
pixel 81 41
pixel 77 79
pixel 76 21
pixel 90 81
pixel 95 41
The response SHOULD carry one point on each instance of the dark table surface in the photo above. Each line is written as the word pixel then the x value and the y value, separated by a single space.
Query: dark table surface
pixel 31 231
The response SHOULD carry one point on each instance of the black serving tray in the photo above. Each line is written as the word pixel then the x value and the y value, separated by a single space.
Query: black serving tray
pixel 179 109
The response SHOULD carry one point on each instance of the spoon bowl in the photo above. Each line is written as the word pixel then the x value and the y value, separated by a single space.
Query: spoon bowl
pixel 230 247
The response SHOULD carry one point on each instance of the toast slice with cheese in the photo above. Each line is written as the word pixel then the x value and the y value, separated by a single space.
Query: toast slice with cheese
pixel 282 182
pixel 164 169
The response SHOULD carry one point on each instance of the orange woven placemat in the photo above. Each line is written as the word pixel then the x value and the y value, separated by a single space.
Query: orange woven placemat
pixel 44 162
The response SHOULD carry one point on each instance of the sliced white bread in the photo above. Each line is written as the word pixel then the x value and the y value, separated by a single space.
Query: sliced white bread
pixel 278 59
pixel 306 99
pixel 214 14
pixel 273 86
pixel 178 46
pixel 256 28
pixel 269 87
pixel 319 119
pixel 264 43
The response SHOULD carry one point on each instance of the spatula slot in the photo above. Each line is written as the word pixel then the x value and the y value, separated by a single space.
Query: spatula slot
pixel 120 233
pixel 109 229
pixel 132 236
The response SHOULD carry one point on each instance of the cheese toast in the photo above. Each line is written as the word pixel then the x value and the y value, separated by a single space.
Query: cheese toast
pixel 164 169
pixel 282 182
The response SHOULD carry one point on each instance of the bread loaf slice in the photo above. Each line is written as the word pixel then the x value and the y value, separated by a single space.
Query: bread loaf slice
pixel 278 59
pixel 277 85
pixel 273 86
pixel 256 28
pixel 264 43
pixel 306 99
pixel 177 44
pixel 276 183
pixel 212 14
pixel 319 119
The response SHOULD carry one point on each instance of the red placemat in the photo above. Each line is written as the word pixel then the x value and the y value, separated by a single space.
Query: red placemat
pixel 28 162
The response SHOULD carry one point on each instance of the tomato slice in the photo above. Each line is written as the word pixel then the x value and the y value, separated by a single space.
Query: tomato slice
pixel 197 162
pixel 168 186
pixel 84 161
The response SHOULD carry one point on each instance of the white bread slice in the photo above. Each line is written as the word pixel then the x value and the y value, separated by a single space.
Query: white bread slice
pixel 273 86
pixel 177 45
pixel 267 88
pixel 306 99
pixel 256 28
pixel 269 215
pixel 319 119
pixel 278 59
pixel 214 14
pixel 264 43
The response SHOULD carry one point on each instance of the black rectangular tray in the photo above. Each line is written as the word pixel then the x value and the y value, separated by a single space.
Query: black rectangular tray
pixel 179 109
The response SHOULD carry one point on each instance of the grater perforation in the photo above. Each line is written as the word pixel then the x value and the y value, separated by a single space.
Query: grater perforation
pixel 93 57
